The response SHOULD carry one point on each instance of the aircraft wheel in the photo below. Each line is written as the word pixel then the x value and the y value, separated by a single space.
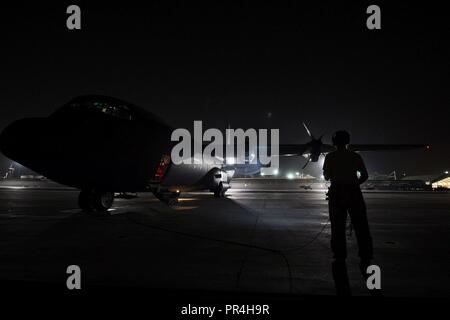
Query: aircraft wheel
pixel 220 191
pixel 172 201
pixel 103 200
pixel 85 200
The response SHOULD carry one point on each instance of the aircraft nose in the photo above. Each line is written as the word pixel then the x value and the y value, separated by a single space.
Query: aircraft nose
pixel 8 139
pixel 20 139
pixel 4 141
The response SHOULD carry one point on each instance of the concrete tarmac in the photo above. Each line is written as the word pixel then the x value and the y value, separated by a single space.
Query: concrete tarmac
pixel 257 242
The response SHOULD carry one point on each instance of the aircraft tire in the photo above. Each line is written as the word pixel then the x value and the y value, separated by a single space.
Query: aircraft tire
pixel 172 201
pixel 85 200
pixel 103 201
pixel 220 191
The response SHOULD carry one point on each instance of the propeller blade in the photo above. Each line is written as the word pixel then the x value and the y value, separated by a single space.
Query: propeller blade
pixel 307 130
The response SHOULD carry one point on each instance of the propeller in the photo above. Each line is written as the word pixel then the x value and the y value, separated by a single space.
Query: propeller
pixel 307 130
pixel 314 146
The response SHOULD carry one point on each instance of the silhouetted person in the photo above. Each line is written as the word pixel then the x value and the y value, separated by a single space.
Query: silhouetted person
pixel 346 171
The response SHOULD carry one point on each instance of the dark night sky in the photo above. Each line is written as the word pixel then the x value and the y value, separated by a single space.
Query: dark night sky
pixel 235 63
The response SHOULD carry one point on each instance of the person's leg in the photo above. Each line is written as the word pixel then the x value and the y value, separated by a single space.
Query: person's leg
pixel 340 277
pixel 358 215
pixel 338 218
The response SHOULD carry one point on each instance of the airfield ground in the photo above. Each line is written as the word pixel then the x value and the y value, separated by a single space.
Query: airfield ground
pixel 252 241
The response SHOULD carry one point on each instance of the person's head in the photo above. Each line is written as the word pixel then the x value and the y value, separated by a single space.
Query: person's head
pixel 341 138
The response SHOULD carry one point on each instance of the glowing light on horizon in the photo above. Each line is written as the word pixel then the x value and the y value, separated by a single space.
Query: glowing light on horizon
pixel 231 161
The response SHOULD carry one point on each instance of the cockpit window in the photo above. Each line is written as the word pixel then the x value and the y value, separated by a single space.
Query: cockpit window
pixel 116 110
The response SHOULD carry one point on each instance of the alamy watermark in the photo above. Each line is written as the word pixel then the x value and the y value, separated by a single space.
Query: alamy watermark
pixel 374 279
pixel 74 279
pixel 240 147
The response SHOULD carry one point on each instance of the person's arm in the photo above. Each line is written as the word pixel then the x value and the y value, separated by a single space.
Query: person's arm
pixel 364 175
pixel 326 169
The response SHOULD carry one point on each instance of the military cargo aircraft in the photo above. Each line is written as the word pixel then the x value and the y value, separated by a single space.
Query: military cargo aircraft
pixel 103 145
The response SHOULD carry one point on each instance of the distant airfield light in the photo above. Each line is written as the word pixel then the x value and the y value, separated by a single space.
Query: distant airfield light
pixel 187 199
pixel 297 173
pixel 262 174
pixel 275 172
pixel 231 161
pixel 290 176
pixel 446 172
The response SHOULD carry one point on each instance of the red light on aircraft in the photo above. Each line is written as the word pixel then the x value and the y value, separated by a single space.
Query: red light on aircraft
pixel 162 167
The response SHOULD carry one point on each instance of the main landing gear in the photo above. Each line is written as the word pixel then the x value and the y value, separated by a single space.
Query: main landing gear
pixel 95 200
pixel 168 197
pixel 219 192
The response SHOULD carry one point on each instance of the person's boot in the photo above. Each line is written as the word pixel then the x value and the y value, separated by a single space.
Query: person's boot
pixel 340 277
pixel 363 265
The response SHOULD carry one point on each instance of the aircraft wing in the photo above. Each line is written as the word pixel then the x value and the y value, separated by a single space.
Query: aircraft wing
pixel 295 150
pixel 386 147
pixel 285 150
pixel 292 150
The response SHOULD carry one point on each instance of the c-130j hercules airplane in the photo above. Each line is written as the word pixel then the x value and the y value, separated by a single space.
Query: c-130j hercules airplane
pixel 102 145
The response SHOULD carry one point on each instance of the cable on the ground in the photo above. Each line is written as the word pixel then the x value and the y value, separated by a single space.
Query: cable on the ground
pixel 281 253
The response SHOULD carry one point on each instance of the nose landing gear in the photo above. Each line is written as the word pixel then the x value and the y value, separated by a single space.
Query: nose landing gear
pixel 89 200
pixel 219 192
